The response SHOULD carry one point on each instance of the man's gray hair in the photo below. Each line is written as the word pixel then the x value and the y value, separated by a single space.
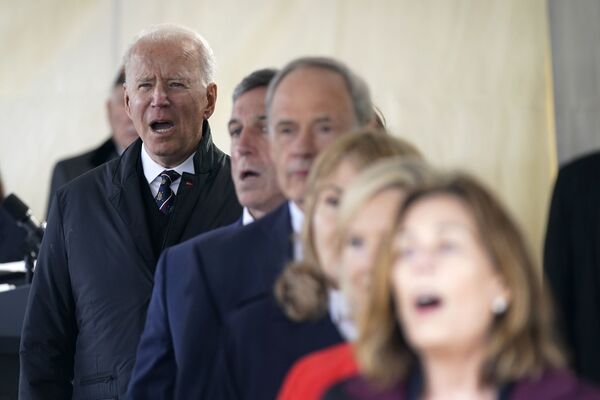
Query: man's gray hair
pixel 258 78
pixel 357 88
pixel 168 32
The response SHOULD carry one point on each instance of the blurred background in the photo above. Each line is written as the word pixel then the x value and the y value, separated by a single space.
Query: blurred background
pixel 505 89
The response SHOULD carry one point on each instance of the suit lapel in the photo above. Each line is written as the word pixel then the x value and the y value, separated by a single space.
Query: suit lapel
pixel 187 197
pixel 280 238
pixel 128 202
pixel 281 233
pixel 191 188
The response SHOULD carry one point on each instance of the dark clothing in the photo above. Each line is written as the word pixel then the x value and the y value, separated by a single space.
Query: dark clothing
pixel 261 344
pixel 157 221
pixel 316 372
pixel 12 239
pixel 70 168
pixel 572 261
pixel 552 385
pixel 95 273
pixel 208 277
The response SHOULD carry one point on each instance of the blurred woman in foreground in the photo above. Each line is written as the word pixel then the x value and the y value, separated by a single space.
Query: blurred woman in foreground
pixel 366 218
pixel 457 311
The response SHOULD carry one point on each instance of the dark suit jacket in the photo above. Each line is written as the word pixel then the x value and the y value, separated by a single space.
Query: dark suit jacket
pixel 95 273
pixel 261 344
pixel 572 260
pixel 208 277
pixel 70 168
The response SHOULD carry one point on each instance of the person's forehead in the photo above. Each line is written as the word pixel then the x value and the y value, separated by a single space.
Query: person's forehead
pixel 318 89
pixel 177 57
pixel 252 100
pixel 181 45
pixel 316 78
pixel 440 212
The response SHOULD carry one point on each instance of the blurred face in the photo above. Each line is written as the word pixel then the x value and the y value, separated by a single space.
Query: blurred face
pixel 443 278
pixel 324 218
pixel 251 166
pixel 122 128
pixel 310 109
pixel 166 99
pixel 371 224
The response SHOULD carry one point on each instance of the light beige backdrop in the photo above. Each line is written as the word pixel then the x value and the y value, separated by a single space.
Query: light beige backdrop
pixel 467 80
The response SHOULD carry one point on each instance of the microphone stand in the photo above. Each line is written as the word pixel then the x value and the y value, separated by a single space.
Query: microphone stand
pixel 29 260
pixel 33 248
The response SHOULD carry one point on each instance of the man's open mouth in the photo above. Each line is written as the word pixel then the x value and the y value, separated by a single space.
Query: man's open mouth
pixel 161 126
pixel 248 173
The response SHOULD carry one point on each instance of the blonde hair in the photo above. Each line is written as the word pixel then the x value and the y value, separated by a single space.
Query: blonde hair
pixel 521 341
pixel 301 289
pixel 396 173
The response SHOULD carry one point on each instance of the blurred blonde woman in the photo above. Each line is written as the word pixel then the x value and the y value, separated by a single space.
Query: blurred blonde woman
pixel 457 310
pixel 365 219
pixel 261 341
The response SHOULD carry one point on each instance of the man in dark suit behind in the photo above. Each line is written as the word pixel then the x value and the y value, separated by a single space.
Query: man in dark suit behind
pixel 572 261
pixel 310 103
pixel 252 168
pixel 123 133
pixel 94 276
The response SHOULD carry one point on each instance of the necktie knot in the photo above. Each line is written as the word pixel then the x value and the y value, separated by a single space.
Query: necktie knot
pixel 168 176
pixel 165 198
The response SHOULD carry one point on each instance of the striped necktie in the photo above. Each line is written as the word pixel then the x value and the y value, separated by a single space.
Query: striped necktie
pixel 165 198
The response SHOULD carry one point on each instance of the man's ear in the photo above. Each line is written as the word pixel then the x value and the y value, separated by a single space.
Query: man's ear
pixel 211 98
pixel 126 100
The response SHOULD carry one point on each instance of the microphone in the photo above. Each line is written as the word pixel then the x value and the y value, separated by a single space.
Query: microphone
pixel 24 217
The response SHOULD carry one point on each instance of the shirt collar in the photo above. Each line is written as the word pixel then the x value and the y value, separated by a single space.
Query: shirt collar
pixel 152 169
pixel 339 311
pixel 297 217
pixel 247 218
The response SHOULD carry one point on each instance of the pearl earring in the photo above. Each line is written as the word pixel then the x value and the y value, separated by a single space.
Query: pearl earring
pixel 499 305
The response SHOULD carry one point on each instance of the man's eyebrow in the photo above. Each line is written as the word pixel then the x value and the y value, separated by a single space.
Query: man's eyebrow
pixel 285 122
pixel 178 78
pixel 143 78
pixel 325 118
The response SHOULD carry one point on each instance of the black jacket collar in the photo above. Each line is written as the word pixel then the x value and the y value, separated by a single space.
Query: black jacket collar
pixel 127 199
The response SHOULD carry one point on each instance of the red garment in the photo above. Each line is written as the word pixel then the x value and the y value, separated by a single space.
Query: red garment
pixel 316 372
